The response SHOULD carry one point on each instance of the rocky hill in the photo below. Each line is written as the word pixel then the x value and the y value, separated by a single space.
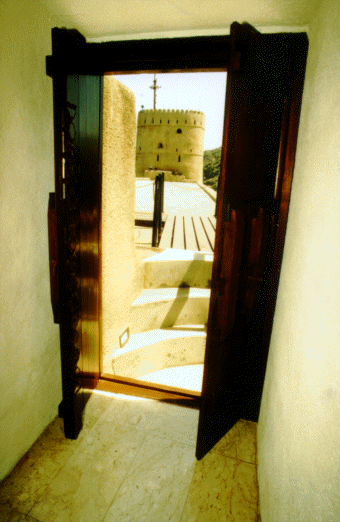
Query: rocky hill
pixel 211 167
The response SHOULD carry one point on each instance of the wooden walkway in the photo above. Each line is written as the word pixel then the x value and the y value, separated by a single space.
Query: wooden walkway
pixel 189 232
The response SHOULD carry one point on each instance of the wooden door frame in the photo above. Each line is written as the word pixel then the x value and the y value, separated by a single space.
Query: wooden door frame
pixel 73 55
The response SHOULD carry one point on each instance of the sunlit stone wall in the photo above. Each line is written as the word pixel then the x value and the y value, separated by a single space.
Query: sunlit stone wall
pixel 119 270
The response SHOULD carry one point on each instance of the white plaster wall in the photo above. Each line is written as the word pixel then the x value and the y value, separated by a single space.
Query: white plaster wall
pixel 120 284
pixel 29 356
pixel 299 427
pixel 30 387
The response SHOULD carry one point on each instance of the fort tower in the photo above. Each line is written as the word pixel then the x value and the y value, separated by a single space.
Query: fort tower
pixel 170 141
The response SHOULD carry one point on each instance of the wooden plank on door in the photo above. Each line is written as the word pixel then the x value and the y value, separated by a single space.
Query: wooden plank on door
pixel 53 255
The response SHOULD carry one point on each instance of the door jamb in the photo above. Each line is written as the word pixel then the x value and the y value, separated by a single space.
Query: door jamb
pixel 195 54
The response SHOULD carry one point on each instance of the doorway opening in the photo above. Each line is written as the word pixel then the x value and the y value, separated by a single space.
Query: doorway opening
pixel 264 93
pixel 156 331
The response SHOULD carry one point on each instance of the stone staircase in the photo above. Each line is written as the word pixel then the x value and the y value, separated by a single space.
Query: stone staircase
pixel 168 319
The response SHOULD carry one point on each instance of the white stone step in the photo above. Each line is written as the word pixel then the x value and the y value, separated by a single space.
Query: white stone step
pixel 189 377
pixel 174 268
pixel 165 307
pixel 157 349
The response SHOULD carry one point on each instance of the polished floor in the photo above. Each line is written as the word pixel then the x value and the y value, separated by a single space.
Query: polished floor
pixel 134 461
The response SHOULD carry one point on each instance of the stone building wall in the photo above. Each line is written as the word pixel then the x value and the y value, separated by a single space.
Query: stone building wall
pixel 170 140
pixel 119 271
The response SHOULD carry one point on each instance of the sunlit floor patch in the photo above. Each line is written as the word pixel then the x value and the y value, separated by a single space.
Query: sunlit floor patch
pixel 120 396
pixel 187 377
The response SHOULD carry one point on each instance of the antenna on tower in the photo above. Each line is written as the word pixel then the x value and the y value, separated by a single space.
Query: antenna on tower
pixel 154 87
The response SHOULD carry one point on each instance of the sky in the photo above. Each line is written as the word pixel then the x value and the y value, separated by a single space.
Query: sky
pixel 203 92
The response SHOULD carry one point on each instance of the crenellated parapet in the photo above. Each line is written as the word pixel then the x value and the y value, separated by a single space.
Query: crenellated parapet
pixel 171 117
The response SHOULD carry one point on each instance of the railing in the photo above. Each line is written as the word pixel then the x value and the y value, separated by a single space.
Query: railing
pixel 158 209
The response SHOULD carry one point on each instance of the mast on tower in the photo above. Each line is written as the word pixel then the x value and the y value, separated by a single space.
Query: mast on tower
pixel 154 87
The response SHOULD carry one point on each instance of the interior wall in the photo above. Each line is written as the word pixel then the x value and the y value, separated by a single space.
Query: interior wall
pixel 30 377
pixel 30 387
pixel 120 281
pixel 298 430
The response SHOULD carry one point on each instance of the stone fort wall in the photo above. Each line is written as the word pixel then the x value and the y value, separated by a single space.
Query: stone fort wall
pixel 170 140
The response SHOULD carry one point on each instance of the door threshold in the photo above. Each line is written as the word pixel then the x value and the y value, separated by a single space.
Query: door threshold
pixel 136 388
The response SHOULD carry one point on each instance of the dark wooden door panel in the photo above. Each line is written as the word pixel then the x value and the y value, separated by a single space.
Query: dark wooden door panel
pixel 77 137
pixel 66 134
pixel 53 254
pixel 259 82
pixel 89 171
pixel 221 360
pixel 78 242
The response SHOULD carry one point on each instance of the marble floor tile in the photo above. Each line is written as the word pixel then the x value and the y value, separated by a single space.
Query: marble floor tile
pixel 174 422
pixel 85 487
pixel 22 488
pixel 8 514
pixel 157 484
pixel 134 461
pixel 239 443
pixel 222 489
pixel 95 404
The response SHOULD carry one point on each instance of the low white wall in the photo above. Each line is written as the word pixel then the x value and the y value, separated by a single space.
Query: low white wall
pixel 119 261
pixel 298 431
pixel 160 350
pixel 30 386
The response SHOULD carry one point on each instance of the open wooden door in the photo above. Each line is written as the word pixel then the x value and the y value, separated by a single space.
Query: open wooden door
pixel 265 79
pixel 77 138
pixel 264 90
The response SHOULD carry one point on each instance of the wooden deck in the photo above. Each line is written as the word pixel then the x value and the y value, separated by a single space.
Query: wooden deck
pixel 189 232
